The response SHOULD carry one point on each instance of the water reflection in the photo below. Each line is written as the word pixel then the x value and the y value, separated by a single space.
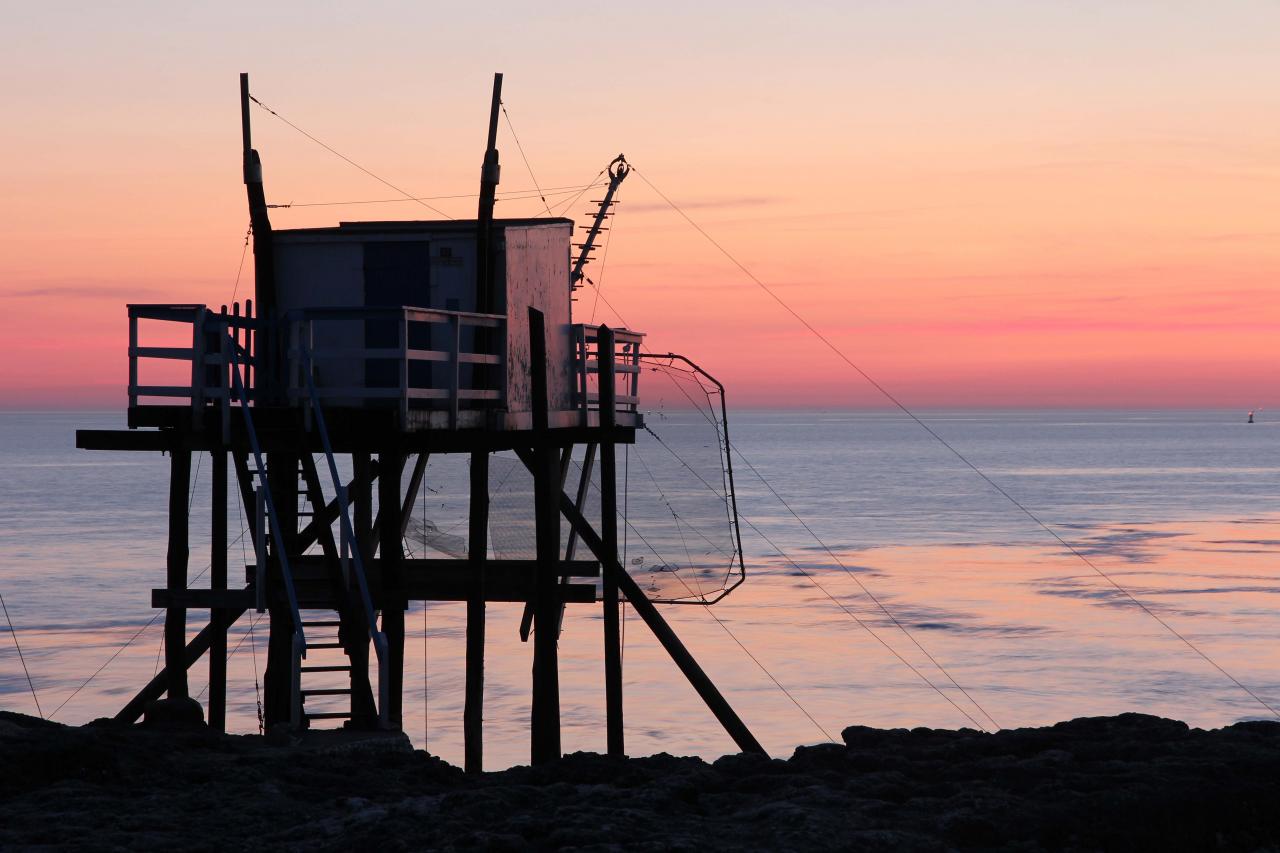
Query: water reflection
pixel 1028 630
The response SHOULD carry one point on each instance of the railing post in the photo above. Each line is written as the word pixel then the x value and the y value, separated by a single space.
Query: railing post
pixel 631 358
pixel 503 381
pixel 197 368
pixel 224 379
pixel 133 359
pixel 580 341
pixel 235 343
pixel 404 370
pixel 455 367
pixel 250 356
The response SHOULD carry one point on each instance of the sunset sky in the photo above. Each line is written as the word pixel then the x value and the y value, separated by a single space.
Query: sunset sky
pixel 981 203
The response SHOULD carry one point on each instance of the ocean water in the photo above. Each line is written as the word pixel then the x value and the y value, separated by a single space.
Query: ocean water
pixel 918 595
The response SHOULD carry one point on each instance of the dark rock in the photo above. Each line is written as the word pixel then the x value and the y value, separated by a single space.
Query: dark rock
pixel 167 713
pixel 1125 782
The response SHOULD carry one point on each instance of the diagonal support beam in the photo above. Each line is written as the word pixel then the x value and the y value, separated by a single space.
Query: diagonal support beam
pixel 645 608
pixel 324 519
pixel 410 499
pixel 411 495
pixel 197 647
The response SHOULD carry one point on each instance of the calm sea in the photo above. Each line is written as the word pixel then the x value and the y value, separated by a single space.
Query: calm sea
pixel 1180 508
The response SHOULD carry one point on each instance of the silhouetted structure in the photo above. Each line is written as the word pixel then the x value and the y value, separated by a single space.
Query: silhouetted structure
pixel 384 343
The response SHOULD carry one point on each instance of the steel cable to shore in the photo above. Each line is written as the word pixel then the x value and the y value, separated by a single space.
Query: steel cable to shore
pixel 21 657
pixel 853 575
pixel 838 603
pixel 130 641
pixel 883 391
pixel 863 586
pixel 721 622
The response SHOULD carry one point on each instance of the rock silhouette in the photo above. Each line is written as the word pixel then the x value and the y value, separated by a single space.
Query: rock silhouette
pixel 1125 782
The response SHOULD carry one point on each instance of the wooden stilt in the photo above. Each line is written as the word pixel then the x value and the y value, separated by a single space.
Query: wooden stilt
pixel 175 618
pixel 218 580
pixel 391 465
pixel 609 530
pixel 545 722
pixel 277 679
pixel 354 632
pixel 477 554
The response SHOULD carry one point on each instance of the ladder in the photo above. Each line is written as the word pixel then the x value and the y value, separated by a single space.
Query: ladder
pixel 352 566
pixel 266 512
pixel 349 559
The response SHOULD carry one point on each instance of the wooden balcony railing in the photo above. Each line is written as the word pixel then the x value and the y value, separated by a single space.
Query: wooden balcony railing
pixel 213 334
pixel 341 354
pixel 586 365
pixel 411 359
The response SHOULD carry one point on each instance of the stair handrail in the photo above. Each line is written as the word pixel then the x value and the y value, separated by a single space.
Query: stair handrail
pixel 347 534
pixel 299 636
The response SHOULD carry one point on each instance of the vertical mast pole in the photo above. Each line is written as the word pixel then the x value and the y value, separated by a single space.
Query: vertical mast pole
pixel 263 256
pixel 489 173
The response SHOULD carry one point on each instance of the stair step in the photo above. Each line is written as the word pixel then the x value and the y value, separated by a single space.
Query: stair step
pixel 329 715
pixel 345 668
pixel 328 691
pixel 324 645
pixel 307 624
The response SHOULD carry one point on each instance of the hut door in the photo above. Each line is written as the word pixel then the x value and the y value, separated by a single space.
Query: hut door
pixel 396 274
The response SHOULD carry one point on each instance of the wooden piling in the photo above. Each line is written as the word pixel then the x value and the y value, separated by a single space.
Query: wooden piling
pixel 391 466
pixel 277 679
pixel 218 580
pixel 175 618
pixel 609 530
pixel 545 718
pixel 477 554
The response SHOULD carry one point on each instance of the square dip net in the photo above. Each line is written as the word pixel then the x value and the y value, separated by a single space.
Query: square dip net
pixel 677 515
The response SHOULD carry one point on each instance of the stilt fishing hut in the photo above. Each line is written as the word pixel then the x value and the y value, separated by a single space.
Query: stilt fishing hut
pixel 368 348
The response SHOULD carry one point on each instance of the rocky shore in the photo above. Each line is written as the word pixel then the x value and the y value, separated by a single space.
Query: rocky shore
pixel 1104 783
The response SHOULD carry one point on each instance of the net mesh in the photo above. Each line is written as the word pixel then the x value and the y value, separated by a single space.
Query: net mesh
pixel 677 522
